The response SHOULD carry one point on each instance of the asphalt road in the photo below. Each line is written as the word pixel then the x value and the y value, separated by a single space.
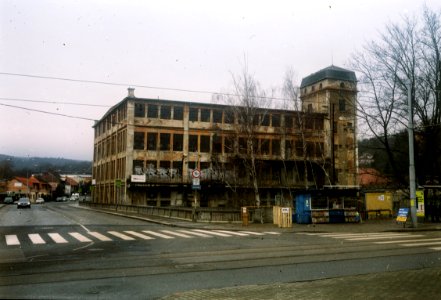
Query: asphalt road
pixel 57 251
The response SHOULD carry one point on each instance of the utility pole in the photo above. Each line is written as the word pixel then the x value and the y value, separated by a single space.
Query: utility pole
pixel 411 159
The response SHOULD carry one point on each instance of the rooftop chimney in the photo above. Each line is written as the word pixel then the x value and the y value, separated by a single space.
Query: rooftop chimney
pixel 131 92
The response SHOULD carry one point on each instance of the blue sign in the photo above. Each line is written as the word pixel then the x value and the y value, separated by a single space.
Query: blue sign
pixel 402 214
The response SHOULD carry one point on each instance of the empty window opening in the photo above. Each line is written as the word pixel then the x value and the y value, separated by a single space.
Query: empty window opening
pixel 164 141
pixel 138 143
pixel 152 111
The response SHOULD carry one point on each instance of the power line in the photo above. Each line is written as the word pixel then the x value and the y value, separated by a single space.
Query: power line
pixel 133 85
pixel 47 112
pixel 53 102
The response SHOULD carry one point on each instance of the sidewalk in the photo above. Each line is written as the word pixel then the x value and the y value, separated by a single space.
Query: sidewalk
pixel 383 225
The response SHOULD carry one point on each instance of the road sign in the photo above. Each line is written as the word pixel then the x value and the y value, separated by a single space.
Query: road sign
pixel 402 214
pixel 196 173
pixel 196 184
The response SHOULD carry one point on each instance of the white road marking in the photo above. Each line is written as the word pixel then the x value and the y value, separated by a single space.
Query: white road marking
pixel 196 233
pixel 140 235
pixel 57 238
pixel 99 236
pixel 253 232
pixel 158 234
pixel 408 241
pixel 381 237
pixel 436 248
pixel 232 232
pixel 177 234
pixel 212 232
pixel 36 238
pixel 80 237
pixel 271 232
pixel 121 235
pixel 421 244
pixel 12 240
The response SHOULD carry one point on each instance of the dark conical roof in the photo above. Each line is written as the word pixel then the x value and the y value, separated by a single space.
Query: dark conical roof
pixel 331 72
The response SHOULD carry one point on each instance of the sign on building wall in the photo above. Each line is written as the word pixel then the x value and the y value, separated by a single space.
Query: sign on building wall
pixel 420 203
pixel 138 178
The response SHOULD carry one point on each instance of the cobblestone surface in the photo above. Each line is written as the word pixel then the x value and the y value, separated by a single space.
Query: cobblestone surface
pixel 409 284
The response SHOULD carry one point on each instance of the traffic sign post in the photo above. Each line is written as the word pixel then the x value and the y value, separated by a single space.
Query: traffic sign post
pixel 196 185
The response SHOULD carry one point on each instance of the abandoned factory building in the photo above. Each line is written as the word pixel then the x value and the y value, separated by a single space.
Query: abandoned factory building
pixel 152 152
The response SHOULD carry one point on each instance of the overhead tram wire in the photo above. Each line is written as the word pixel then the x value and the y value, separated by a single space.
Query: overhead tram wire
pixel 48 112
pixel 133 85
pixel 52 102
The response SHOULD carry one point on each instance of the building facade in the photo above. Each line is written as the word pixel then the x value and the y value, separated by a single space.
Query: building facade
pixel 152 152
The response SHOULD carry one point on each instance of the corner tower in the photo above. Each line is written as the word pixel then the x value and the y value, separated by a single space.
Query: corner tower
pixel 333 91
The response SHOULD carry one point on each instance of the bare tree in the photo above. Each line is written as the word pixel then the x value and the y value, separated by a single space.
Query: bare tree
pixel 406 52
pixel 248 106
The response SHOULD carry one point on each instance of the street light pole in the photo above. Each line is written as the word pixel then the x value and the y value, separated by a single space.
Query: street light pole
pixel 411 160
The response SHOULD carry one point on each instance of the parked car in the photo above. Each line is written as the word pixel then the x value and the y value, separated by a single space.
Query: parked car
pixel 24 202
pixel 39 201
pixel 8 200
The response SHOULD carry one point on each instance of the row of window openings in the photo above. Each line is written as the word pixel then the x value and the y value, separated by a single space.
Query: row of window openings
pixel 174 142
pixel 204 115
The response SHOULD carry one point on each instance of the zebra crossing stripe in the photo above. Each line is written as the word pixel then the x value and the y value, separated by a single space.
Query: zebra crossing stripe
pixel 99 236
pixel 421 244
pixel 381 237
pixel 213 232
pixel 232 232
pixel 436 248
pixel 140 235
pixel 36 238
pixel 80 237
pixel 177 234
pixel 408 241
pixel 57 238
pixel 12 240
pixel 121 235
pixel 158 234
pixel 253 232
pixel 196 233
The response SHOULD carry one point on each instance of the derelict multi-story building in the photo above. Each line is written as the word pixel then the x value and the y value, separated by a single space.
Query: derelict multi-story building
pixel 146 151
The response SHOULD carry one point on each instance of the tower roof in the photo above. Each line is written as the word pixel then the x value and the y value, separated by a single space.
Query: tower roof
pixel 331 72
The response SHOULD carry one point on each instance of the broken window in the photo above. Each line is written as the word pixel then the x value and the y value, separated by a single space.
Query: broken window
pixel 242 145
pixel 178 113
pixel 139 110
pixel 178 141
pixel 265 146
pixel 205 115
pixel 205 143
pixel 151 141
pixel 228 117
pixel 138 143
pixel 193 143
pixel 193 114
pixel 138 166
pixel 288 121
pixel 177 168
pixel 229 145
pixel 275 147
pixel 310 149
pixel 152 111
pixel 164 141
pixel 165 112
pixel 265 120
pixel 342 105
pixel 217 144
pixel 276 120
pixel 299 148
pixel 217 116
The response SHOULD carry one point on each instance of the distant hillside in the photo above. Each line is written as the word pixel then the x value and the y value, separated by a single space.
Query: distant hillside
pixel 44 164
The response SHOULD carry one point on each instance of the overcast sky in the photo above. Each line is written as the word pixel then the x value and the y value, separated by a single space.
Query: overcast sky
pixel 191 45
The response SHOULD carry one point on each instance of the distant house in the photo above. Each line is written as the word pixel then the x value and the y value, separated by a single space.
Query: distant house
pixel 370 177
pixel 70 186
pixel 30 187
